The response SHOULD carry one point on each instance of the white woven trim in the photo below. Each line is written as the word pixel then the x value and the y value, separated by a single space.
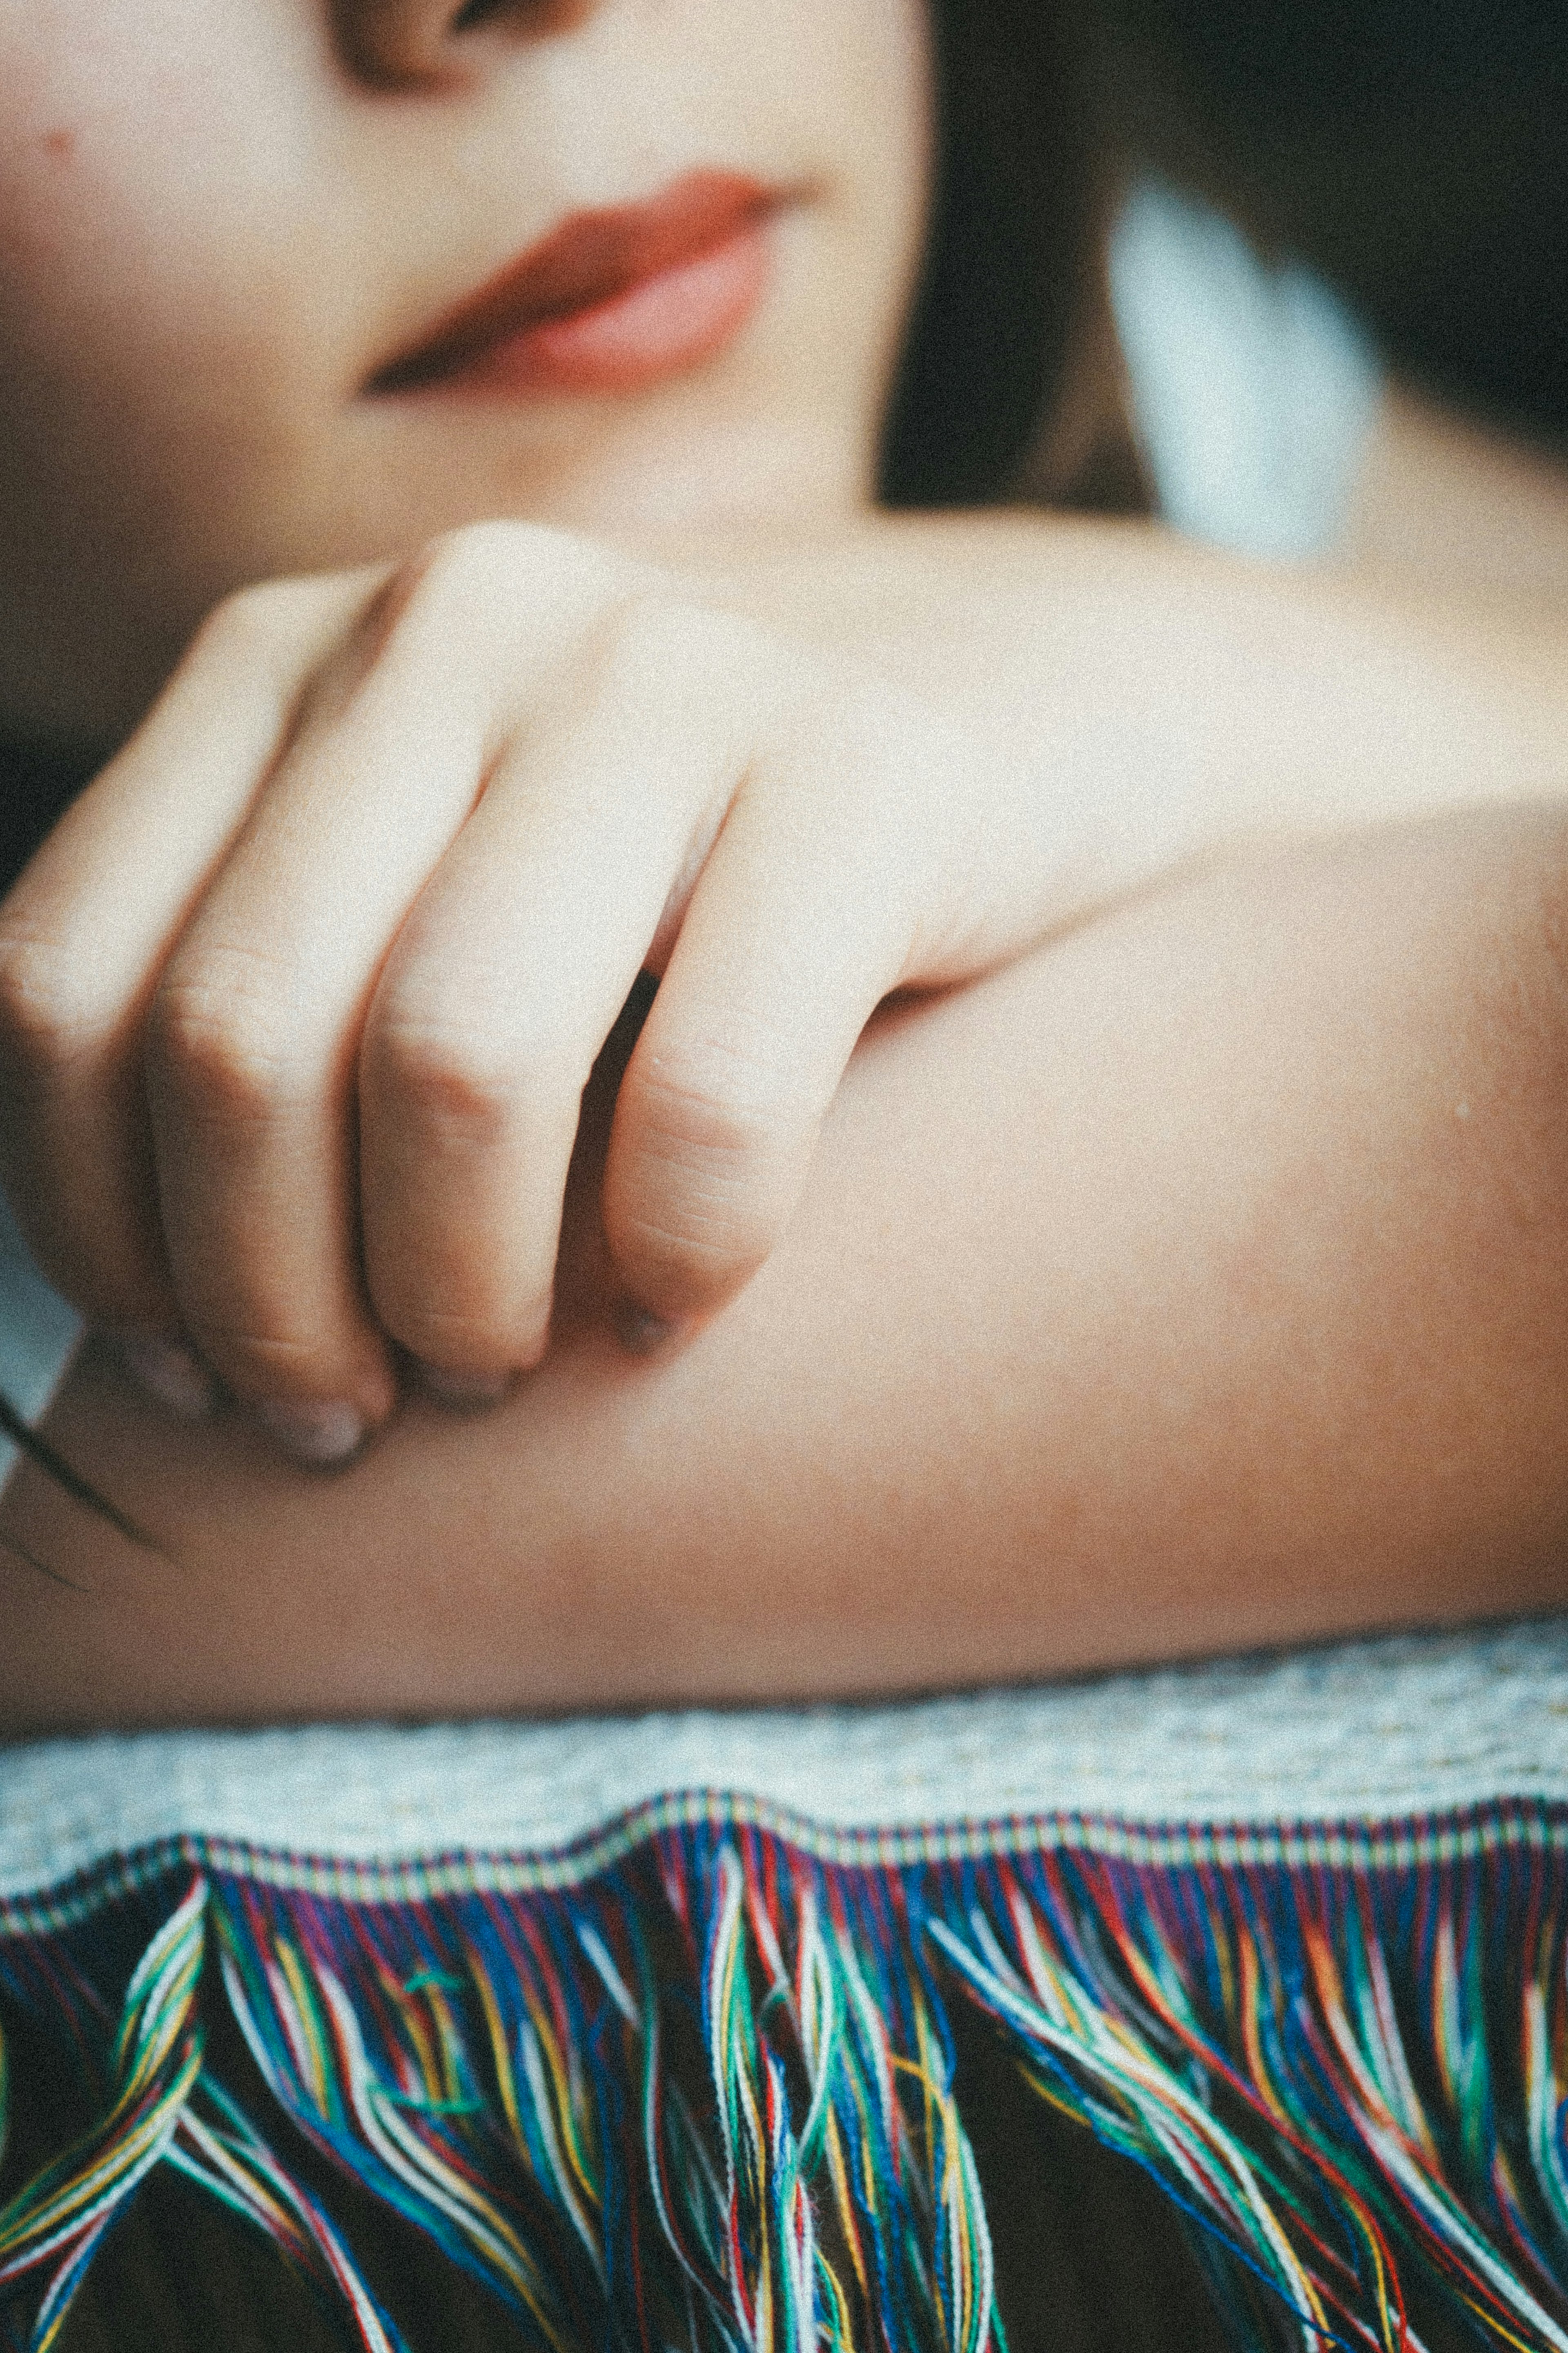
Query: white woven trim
pixel 1372 1731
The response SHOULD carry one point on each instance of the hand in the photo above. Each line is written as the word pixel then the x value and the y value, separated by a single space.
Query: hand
pixel 298 1002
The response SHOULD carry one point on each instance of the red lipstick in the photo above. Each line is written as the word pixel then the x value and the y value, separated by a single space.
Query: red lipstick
pixel 609 302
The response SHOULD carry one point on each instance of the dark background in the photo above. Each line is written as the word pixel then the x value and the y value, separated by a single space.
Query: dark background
pixel 1415 150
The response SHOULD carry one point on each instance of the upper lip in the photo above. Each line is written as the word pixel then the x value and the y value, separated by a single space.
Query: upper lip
pixel 587 259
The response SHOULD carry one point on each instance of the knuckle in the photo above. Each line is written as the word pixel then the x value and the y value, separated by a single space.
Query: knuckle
pixel 480 561
pixel 250 1343
pixel 708 1101
pixel 221 1036
pixel 254 624
pixel 481 1336
pixel 50 1020
pixel 481 589
pixel 651 639
pixel 483 547
pixel 439 572
pixel 450 1077
pixel 253 612
pixel 712 1170
pixel 465 579
pixel 257 1358
pixel 461 1068
pixel 688 1252
pixel 645 636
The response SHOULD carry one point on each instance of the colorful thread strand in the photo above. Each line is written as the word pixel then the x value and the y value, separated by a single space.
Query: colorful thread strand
pixel 705 2094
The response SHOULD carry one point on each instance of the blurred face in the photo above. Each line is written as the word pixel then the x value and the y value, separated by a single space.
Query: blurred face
pixel 287 286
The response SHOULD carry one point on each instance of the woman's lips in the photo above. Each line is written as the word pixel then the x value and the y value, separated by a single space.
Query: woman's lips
pixel 609 302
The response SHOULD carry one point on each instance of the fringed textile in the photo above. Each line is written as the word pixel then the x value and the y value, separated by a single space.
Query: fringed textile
pixel 691 2082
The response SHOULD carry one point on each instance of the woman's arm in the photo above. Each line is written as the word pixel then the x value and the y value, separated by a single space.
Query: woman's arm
pixel 1199 1282
pixel 297 1000
pixel 1157 701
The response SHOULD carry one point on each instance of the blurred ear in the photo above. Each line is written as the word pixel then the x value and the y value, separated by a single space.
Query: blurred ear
pixel 408 42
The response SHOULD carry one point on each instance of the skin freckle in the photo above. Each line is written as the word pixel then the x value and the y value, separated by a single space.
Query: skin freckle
pixel 60 144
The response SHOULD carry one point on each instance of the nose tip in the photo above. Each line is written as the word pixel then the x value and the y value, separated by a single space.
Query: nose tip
pixel 406 43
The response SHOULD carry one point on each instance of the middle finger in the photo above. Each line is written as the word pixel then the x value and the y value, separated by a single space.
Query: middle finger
pixel 253 1041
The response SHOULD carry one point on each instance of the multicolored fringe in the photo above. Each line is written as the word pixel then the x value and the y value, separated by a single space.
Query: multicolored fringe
pixel 704 2094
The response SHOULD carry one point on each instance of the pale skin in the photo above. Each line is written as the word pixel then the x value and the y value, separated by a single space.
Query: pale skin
pixel 1176 1268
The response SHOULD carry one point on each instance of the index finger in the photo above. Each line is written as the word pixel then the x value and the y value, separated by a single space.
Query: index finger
pixel 89 926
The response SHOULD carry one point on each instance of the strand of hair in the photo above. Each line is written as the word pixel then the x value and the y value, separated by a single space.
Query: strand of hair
pixel 55 1466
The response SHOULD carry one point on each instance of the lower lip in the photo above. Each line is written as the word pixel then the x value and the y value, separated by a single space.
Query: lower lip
pixel 662 327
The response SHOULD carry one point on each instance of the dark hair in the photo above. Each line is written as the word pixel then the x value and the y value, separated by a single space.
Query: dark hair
pixel 1010 255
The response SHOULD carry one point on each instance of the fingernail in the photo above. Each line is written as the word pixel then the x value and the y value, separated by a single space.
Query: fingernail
pixel 458 1392
pixel 321 1437
pixel 640 1332
pixel 170 1372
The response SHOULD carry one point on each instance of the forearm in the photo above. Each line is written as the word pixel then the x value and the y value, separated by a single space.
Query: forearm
pixel 1156 702
pixel 1200 1283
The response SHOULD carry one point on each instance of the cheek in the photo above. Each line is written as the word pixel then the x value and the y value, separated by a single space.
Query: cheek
pixel 146 154
pixel 129 141
pixel 150 165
